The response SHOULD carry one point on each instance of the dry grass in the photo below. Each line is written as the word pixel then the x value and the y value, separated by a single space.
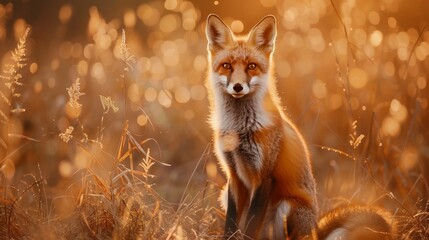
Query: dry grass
pixel 119 205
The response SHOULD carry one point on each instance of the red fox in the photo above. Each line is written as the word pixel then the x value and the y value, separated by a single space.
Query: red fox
pixel 264 156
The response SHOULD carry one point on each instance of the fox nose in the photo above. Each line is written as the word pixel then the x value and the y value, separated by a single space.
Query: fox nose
pixel 237 87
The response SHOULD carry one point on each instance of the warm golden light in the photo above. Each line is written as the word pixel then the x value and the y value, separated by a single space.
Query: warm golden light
pixel 55 64
pixel 142 120
pixel 170 54
pixel 315 40
pixel 409 159
pixel 8 169
pixel 134 93
pixel 19 28
pixel 390 127
pixel 164 98
pixel 65 50
pixel 129 18
pixel 72 112
pixel 149 15
pixel 171 4
pixel 358 78
pixel 182 95
pixel 268 3
pixel 422 51
pixel 33 68
pixel 82 68
pixel 38 87
pixel 335 101
pixel 283 69
pixel 168 23
pixel 421 82
pixel 106 122
pixel 389 69
pixel 319 89
pixel 65 13
pixel 198 92
pixel 376 38
pixel 150 94
pixel 200 63
pixel 97 72
pixel 211 170
pixel 65 169
pixel 374 18
pixel 237 26
pixel 189 114
pixel 398 111
pixel 391 21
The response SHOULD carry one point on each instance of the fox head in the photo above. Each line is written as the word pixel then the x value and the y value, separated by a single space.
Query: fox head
pixel 240 64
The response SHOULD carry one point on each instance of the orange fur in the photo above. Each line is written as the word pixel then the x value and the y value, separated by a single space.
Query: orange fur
pixel 356 222
pixel 263 154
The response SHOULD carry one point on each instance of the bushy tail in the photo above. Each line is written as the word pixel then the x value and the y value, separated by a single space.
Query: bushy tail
pixel 355 222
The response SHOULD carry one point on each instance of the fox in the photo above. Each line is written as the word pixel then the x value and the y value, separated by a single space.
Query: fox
pixel 263 154
pixel 270 191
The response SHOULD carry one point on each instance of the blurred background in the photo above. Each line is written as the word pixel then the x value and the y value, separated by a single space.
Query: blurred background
pixel 351 74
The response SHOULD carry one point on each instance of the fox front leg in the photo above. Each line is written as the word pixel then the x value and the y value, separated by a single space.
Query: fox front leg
pixel 258 208
pixel 231 216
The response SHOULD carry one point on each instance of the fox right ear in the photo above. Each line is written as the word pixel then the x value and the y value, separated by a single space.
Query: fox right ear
pixel 263 34
pixel 218 34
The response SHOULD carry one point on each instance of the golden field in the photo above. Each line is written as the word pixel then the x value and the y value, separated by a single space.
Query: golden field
pixel 104 112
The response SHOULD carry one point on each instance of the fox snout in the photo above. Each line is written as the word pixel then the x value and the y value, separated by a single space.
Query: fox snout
pixel 237 87
pixel 238 90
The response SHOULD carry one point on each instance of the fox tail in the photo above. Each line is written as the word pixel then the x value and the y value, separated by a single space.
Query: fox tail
pixel 355 222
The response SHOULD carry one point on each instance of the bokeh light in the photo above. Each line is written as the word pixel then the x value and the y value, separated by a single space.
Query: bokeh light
pixel 319 89
pixel 129 18
pixel 358 78
pixel 237 26
pixel 149 15
pixel 65 13
pixel 182 95
pixel 65 169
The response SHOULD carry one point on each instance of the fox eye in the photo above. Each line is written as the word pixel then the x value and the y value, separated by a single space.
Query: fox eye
pixel 251 66
pixel 226 65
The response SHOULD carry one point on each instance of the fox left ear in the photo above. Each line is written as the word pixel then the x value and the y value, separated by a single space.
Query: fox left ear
pixel 219 36
pixel 263 34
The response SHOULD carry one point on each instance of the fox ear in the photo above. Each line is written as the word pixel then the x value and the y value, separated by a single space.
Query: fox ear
pixel 218 34
pixel 263 34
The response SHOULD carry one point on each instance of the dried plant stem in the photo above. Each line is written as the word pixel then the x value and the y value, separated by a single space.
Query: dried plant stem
pixel 206 151
pixel 11 79
pixel 128 59
pixel 15 201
